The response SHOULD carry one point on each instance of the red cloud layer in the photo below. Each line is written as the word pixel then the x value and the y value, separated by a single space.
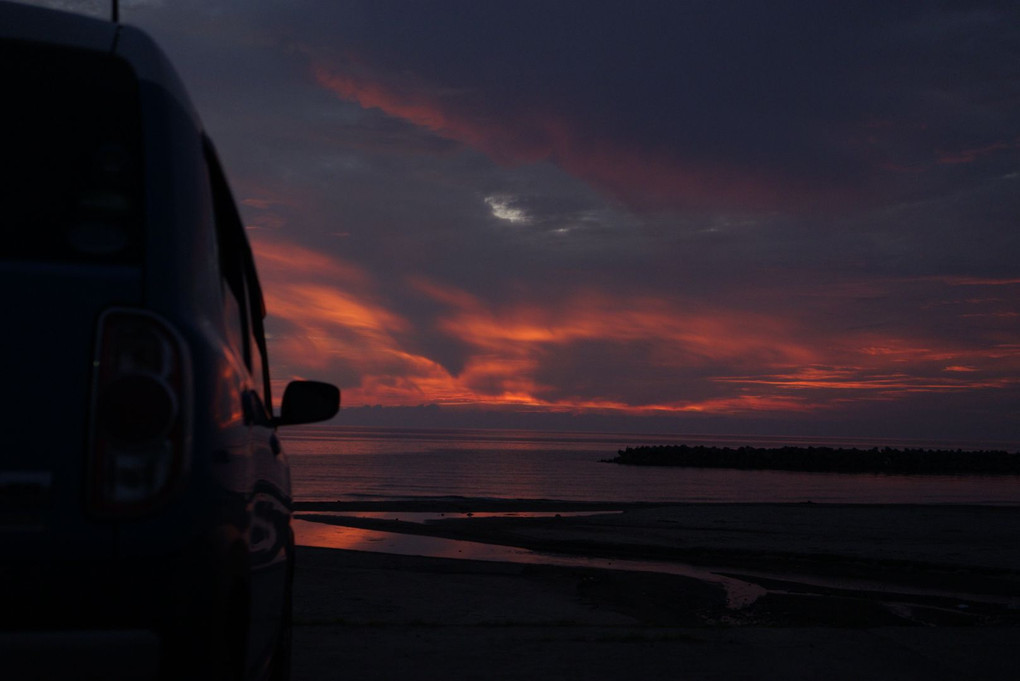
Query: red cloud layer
pixel 328 320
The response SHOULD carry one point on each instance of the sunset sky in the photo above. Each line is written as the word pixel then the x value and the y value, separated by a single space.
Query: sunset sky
pixel 730 217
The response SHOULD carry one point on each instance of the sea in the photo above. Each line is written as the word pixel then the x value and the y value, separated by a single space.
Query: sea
pixel 350 464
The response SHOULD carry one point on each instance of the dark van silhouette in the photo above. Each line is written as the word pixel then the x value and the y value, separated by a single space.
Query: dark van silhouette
pixel 145 500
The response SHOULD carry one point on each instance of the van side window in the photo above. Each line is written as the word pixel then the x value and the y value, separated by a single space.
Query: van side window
pixel 230 259
pixel 256 338
pixel 243 303
pixel 233 319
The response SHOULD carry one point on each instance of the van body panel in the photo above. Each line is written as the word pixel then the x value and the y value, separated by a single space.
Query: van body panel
pixel 50 317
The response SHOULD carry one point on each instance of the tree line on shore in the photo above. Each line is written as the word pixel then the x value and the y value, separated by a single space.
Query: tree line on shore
pixel 826 459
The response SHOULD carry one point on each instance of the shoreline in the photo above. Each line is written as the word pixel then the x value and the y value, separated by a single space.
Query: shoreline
pixel 457 504
pixel 464 504
pixel 963 552
pixel 891 591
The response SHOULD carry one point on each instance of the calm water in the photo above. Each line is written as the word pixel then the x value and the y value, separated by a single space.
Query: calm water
pixel 348 463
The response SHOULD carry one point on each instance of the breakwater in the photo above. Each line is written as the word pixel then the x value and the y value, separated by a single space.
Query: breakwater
pixel 885 460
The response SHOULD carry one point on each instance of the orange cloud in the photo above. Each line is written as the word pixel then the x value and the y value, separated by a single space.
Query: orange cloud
pixel 696 335
pixel 859 379
pixel 280 259
pixel 324 316
pixel 972 154
pixel 327 319
pixel 972 281
pixel 675 336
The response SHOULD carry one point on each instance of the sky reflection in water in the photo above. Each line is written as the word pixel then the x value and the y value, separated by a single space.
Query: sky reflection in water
pixel 308 533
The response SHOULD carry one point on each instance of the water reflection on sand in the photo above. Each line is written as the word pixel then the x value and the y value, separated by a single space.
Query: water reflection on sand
pixel 739 594
pixel 426 516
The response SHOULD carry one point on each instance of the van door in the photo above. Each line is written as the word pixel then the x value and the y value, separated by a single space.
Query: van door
pixel 267 487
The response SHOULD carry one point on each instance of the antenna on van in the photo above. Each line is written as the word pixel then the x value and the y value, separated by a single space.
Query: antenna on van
pixel 116 12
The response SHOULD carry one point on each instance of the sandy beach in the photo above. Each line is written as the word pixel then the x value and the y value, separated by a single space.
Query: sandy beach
pixel 760 591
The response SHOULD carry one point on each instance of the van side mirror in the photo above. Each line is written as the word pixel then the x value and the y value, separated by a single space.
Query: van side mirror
pixel 307 402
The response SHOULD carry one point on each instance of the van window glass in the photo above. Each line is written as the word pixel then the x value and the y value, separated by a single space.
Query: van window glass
pixel 234 320
pixel 256 340
pixel 70 130
pixel 257 372
pixel 256 359
pixel 237 266
pixel 231 258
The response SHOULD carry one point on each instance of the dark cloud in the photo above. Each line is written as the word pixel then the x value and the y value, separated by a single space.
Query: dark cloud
pixel 737 101
pixel 800 212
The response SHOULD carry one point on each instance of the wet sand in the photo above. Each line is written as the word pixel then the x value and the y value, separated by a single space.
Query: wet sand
pixel 897 592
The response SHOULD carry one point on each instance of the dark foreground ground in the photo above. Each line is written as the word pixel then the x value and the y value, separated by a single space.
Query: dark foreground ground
pixel 780 592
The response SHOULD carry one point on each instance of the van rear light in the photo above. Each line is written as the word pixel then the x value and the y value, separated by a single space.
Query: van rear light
pixel 140 412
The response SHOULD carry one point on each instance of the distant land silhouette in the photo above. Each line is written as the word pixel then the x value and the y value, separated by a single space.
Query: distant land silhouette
pixel 826 459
